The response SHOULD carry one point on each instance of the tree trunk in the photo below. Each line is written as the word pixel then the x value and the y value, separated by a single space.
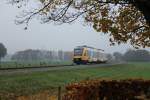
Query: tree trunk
pixel 0 62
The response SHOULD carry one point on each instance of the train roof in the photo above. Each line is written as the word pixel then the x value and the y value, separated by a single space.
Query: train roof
pixel 85 46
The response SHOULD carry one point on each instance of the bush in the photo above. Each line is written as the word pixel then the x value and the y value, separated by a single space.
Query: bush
pixel 108 90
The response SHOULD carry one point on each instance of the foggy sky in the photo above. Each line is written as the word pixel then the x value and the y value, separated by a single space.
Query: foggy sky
pixel 49 36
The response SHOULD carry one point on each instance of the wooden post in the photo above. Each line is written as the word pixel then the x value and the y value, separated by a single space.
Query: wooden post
pixel 59 93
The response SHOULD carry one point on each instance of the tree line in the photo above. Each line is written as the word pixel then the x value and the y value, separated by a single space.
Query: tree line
pixel 40 55
pixel 50 55
pixel 132 55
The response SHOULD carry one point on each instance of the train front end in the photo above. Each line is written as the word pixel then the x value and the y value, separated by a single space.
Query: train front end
pixel 77 59
pixel 80 56
pixel 86 54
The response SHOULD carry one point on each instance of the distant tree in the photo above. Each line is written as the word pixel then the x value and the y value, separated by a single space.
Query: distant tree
pixel 143 55
pixel 60 55
pixel 48 55
pixel 137 55
pixel 118 56
pixel 110 57
pixel 129 55
pixel 28 55
pixel 68 55
pixel 3 52
pixel 42 55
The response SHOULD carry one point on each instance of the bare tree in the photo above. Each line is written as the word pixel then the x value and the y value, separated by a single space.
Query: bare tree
pixel 3 52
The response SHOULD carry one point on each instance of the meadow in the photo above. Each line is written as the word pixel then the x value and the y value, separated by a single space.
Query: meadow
pixel 20 64
pixel 30 83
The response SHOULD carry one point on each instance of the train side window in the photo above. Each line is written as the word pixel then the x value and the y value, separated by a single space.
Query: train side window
pixel 89 53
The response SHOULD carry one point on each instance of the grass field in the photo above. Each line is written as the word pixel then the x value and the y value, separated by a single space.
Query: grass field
pixel 19 64
pixel 24 84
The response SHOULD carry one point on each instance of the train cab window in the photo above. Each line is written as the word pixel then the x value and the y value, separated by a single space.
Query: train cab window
pixel 78 51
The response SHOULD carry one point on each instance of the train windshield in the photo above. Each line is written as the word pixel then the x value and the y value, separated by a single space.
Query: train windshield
pixel 78 51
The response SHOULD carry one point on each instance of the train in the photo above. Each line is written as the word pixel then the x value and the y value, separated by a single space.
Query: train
pixel 87 55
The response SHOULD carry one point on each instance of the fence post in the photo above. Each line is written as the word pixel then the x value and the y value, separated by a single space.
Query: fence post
pixel 59 93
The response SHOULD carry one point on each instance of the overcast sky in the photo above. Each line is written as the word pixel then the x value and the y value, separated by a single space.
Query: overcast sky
pixel 49 36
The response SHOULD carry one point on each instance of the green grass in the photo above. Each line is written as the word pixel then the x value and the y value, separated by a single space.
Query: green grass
pixel 21 84
pixel 18 64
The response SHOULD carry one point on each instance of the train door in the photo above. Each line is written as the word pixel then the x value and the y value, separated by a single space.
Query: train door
pixel 85 56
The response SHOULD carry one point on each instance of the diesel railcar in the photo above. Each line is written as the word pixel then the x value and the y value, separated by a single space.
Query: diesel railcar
pixel 86 54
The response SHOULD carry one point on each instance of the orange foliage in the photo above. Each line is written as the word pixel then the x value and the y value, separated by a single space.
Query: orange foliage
pixel 109 90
